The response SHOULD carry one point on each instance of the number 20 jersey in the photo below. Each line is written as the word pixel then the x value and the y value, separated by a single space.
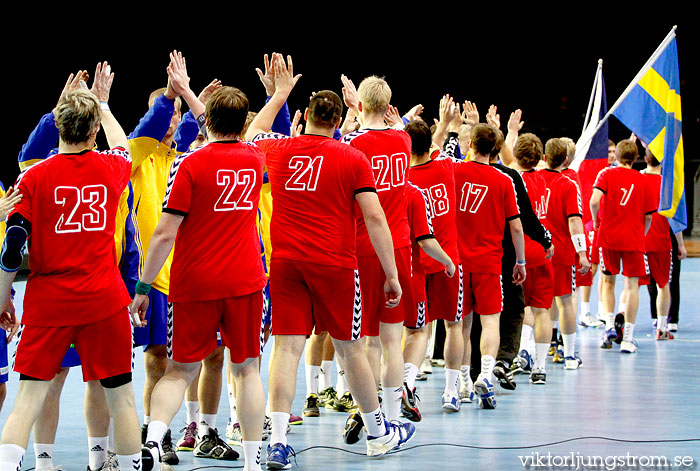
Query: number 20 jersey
pixel 71 201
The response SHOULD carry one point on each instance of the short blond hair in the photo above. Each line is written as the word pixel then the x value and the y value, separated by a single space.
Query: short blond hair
pixel 77 115
pixel 375 95
pixel 570 149
pixel 161 91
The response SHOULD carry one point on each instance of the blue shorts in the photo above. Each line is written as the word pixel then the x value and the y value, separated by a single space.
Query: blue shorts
pixel 155 332
pixel 4 365
pixel 267 305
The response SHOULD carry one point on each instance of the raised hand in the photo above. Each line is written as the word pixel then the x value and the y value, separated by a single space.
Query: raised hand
pixel 267 78
pixel 350 97
pixel 285 80
pixel 456 122
pixel 470 115
pixel 514 122
pixel 493 118
pixel 7 202
pixel 177 73
pixel 414 112
pixel 102 82
pixel 73 83
pixel 296 127
pixel 209 91
pixel 447 109
pixel 392 116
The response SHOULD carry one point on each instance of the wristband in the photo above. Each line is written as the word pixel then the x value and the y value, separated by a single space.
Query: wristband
pixel 104 105
pixel 579 241
pixel 520 262
pixel 142 288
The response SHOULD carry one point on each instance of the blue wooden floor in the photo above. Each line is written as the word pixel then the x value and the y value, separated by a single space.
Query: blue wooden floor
pixel 641 400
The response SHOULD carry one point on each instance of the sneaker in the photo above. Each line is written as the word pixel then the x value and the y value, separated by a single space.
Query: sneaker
pixel 654 323
pixel 426 367
pixel 311 406
pixel 421 376
pixel 353 428
pixel 169 455
pixel 188 439
pixel 295 420
pixel 628 347
pixel 552 349
pixel 601 317
pixel 212 446
pixel 450 402
pixel 267 428
pixel 587 320
pixel 487 398
pixel 112 463
pixel 278 456
pixel 466 391
pixel 144 433
pixel 608 336
pixel 344 403
pixel 673 327
pixel 664 335
pixel 234 434
pixel 440 363
pixel 522 363
pixel 150 456
pixel 538 376
pixel 398 434
pixel 559 354
pixel 326 397
pixel 409 404
pixel 504 375
pixel 572 363
pixel 619 326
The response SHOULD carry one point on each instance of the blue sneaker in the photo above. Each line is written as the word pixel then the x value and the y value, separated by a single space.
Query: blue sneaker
pixel 484 388
pixel 398 434
pixel 523 363
pixel 572 363
pixel 450 402
pixel 608 336
pixel 278 456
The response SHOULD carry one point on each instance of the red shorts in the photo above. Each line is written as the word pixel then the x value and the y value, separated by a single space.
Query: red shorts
pixel 308 295
pixel 445 295
pixel 192 335
pixel 538 286
pixel 483 293
pixel 372 280
pixel 104 347
pixel 593 249
pixel 564 279
pixel 660 268
pixel 634 264
pixel 418 317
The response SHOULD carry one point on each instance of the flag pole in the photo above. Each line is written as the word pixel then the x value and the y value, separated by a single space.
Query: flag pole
pixel 590 102
pixel 636 79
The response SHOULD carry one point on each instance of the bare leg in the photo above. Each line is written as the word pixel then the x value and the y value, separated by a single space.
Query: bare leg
pixel 156 361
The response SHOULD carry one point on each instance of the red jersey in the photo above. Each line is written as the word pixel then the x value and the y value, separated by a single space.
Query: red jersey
pixel 217 250
pixel 627 202
pixel 486 203
pixel 419 220
pixel 573 175
pixel 388 152
pixel 314 180
pixel 536 190
pixel 437 179
pixel 71 201
pixel 658 239
pixel 562 201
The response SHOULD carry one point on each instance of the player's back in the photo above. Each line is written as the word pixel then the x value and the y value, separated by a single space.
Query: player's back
pixel 388 151
pixel 217 251
pixel 627 202
pixel 71 201
pixel 563 201
pixel 658 238
pixel 486 201
pixel 536 192
pixel 436 177
pixel 314 180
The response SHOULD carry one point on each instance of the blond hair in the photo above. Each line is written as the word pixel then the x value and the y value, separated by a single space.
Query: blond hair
pixel 374 94
pixel 570 149
pixel 77 116
pixel 161 91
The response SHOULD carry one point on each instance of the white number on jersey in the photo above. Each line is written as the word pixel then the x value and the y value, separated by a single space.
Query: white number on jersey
pixel 75 217
pixel 389 171
pixel 439 203
pixel 306 172
pixel 473 195
pixel 626 195
pixel 230 179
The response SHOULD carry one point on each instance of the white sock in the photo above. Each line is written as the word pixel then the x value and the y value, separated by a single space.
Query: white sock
pixel 156 432
pixel 192 408
pixel 206 422
pixel 662 323
pixel 585 307
pixel 11 456
pixel 129 462
pixel 280 420
pixel 43 454
pixel 146 419
pixel 410 371
pixel 610 321
pixel 341 386
pixel 375 423
pixel 452 381
pixel 569 344
pixel 391 401
pixel 232 411
pixel 541 355
pixel 110 442
pixel 251 454
pixel 324 380
pixel 601 308
pixel 312 376
pixel 526 335
pixel 628 333
pixel 464 374
pixel 487 364
pixel 621 307
pixel 97 447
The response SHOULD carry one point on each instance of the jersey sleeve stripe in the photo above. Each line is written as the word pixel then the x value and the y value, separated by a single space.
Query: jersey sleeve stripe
pixel 177 212
pixel 365 189
pixel 424 237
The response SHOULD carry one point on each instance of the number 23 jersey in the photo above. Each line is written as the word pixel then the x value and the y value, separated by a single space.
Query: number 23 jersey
pixel 71 201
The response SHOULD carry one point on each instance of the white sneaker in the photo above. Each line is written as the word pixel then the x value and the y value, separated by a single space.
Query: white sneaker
pixel 673 327
pixel 397 435
pixel 426 367
pixel 628 347
pixel 572 363
pixel 450 402
pixel 587 320
pixel 466 391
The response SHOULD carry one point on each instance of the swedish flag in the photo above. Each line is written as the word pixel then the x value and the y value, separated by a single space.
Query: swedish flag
pixel 652 110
